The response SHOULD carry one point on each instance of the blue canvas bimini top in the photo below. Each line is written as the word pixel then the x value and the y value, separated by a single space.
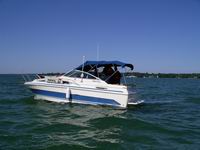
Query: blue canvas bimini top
pixel 105 63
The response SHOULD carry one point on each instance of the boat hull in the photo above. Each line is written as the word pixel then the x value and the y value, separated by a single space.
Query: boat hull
pixel 82 95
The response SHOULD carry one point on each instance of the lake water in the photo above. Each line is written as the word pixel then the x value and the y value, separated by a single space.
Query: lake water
pixel 169 118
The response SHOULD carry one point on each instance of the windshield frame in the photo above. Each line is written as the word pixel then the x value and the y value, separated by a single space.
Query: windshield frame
pixel 80 71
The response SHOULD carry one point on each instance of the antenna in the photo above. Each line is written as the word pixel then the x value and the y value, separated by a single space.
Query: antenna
pixel 97 52
pixel 83 62
pixel 82 75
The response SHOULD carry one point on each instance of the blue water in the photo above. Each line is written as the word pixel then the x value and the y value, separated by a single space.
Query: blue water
pixel 169 118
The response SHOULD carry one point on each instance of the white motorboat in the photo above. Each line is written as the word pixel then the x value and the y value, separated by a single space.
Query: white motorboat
pixel 93 82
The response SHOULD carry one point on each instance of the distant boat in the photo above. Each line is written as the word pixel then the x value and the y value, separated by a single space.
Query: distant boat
pixel 85 85
pixel 151 76
pixel 131 76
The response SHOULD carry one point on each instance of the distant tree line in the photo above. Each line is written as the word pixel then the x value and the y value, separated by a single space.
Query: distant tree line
pixel 163 75
pixel 149 75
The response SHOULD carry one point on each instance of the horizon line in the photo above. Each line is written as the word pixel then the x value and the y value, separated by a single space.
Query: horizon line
pixel 127 72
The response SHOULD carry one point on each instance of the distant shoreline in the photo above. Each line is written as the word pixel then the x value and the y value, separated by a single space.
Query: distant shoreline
pixel 135 74
pixel 163 75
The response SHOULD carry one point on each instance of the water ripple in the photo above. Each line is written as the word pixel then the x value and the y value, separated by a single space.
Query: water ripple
pixel 168 119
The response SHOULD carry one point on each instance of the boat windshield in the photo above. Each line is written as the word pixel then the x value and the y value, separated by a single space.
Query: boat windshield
pixel 80 74
pixel 108 74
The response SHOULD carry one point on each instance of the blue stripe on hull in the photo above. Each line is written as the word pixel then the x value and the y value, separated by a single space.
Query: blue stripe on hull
pixel 95 99
pixel 88 99
pixel 49 93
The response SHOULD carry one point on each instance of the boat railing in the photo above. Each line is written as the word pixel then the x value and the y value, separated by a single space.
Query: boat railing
pixel 30 77
pixel 106 79
pixel 73 72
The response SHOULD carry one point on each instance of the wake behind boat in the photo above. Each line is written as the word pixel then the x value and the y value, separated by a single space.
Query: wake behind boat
pixel 93 82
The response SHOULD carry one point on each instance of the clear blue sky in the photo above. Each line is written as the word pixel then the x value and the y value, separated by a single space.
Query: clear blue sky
pixel 53 35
